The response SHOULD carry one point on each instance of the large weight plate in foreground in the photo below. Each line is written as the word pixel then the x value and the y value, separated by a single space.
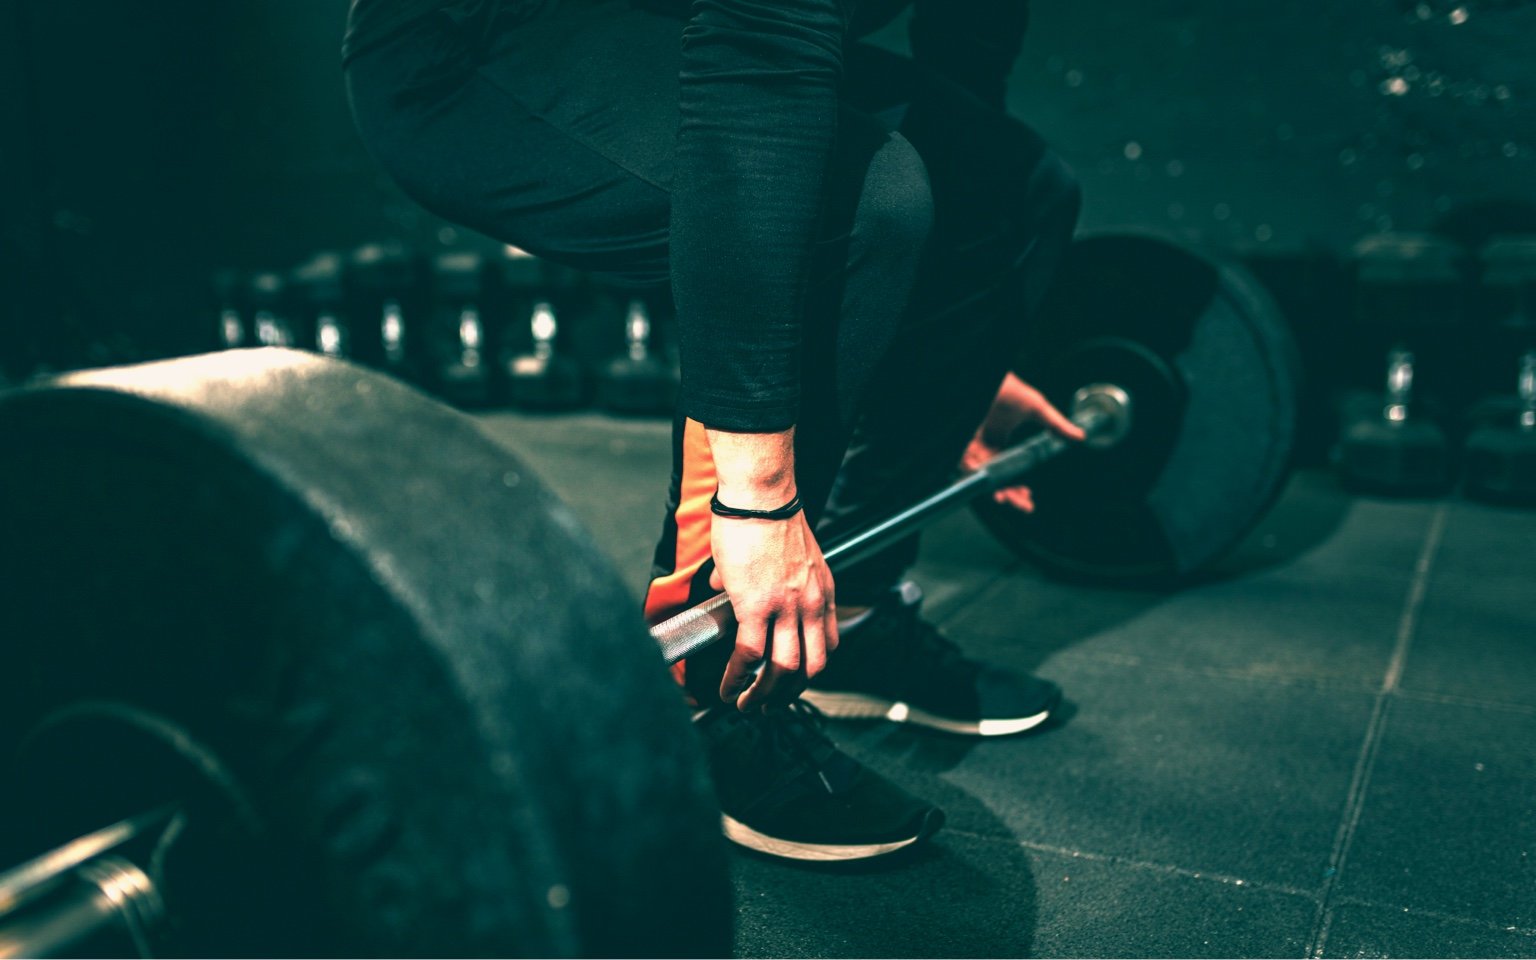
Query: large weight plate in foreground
pixel 1214 377
pixel 426 689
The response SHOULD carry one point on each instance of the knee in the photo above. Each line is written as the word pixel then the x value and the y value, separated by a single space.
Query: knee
pixel 895 211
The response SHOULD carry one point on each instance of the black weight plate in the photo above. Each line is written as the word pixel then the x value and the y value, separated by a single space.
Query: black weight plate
pixel 418 676
pixel 1214 377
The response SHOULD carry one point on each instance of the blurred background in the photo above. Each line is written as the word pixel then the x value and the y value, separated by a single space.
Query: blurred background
pixel 147 147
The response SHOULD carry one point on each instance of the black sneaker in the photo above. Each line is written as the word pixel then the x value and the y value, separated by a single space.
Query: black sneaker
pixel 895 665
pixel 786 791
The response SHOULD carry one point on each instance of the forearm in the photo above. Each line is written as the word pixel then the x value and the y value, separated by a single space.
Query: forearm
pixel 758 118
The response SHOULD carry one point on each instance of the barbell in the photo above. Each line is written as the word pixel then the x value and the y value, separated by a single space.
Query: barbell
pixel 341 677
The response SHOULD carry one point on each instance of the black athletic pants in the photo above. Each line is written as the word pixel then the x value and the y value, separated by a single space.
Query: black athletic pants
pixel 944 220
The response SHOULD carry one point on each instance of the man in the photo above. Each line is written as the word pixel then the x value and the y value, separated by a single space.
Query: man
pixel 854 242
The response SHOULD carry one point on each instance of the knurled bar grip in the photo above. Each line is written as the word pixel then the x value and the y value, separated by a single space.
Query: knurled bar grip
pixel 687 633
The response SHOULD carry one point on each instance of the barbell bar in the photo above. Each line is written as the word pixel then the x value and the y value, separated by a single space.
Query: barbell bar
pixel 1102 410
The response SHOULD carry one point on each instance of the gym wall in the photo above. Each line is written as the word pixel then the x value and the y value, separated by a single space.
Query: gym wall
pixel 151 143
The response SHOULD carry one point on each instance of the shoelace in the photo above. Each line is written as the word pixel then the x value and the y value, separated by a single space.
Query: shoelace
pixel 797 731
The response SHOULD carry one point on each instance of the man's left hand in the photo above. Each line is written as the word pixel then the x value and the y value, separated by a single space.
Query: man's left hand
pixel 1016 403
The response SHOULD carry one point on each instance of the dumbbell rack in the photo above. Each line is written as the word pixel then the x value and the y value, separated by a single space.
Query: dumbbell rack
pixel 1501 454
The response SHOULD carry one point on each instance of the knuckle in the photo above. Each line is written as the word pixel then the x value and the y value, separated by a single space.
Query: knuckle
pixel 787 662
pixel 749 606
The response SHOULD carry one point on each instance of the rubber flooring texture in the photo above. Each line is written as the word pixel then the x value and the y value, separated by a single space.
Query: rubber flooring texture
pixel 1325 749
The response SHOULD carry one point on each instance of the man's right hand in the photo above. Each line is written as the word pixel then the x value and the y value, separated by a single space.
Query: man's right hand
pixel 779 585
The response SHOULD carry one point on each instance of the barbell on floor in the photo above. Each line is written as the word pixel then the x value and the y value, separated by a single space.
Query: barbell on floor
pixel 383 680
pixel 116 893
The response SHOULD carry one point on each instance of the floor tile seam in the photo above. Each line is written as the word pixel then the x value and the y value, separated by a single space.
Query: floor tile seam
pixel 1228 880
pixel 1453 700
pixel 1490 925
pixel 1408 623
pixel 1349 821
pixel 1375 728
pixel 1147 866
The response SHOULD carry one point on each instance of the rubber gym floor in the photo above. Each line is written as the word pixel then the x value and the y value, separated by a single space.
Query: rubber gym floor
pixel 1325 748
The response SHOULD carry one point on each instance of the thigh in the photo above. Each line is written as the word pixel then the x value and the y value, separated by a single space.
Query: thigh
pixel 561 139
pixel 558 141
pixel 994 178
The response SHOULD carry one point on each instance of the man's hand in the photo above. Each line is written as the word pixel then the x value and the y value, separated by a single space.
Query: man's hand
pixel 781 592
pixel 773 572
pixel 1016 403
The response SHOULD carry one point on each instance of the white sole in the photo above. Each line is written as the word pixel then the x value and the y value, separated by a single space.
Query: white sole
pixel 858 706
pixel 738 832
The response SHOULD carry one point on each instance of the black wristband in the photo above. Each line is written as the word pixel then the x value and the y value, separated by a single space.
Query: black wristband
pixel 736 513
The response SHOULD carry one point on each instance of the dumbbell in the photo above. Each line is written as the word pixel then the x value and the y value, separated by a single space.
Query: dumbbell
pixel 1501 455
pixel 533 299
pixel 229 289
pixel 545 378
pixel 1409 284
pixel 271 324
pixel 387 296
pixel 640 381
pixel 320 305
pixel 461 363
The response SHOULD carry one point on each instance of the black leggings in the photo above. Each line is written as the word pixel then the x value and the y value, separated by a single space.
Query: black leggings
pixel 943 222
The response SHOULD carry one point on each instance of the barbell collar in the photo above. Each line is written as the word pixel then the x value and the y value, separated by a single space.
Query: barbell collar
pixel 1113 410
pixel 1101 410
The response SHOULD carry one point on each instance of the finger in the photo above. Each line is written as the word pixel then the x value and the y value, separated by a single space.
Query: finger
pixel 814 648
pixel 751 641
pixel 716 582
pixel 787 662
pixel 782 679
pixel 1018 498
pixel 976 453
pixel 830 620
pixel 1056 420
pixel 1024 499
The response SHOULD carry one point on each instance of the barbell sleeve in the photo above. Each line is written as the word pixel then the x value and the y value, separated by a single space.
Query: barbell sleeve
pixel 109 896
pixel 24 883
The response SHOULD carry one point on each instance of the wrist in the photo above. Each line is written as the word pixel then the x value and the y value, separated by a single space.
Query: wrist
pixel 754 471
pixel 784 511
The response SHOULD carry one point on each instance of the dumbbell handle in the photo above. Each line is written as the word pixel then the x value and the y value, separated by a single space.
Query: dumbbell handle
pixel 1101 410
